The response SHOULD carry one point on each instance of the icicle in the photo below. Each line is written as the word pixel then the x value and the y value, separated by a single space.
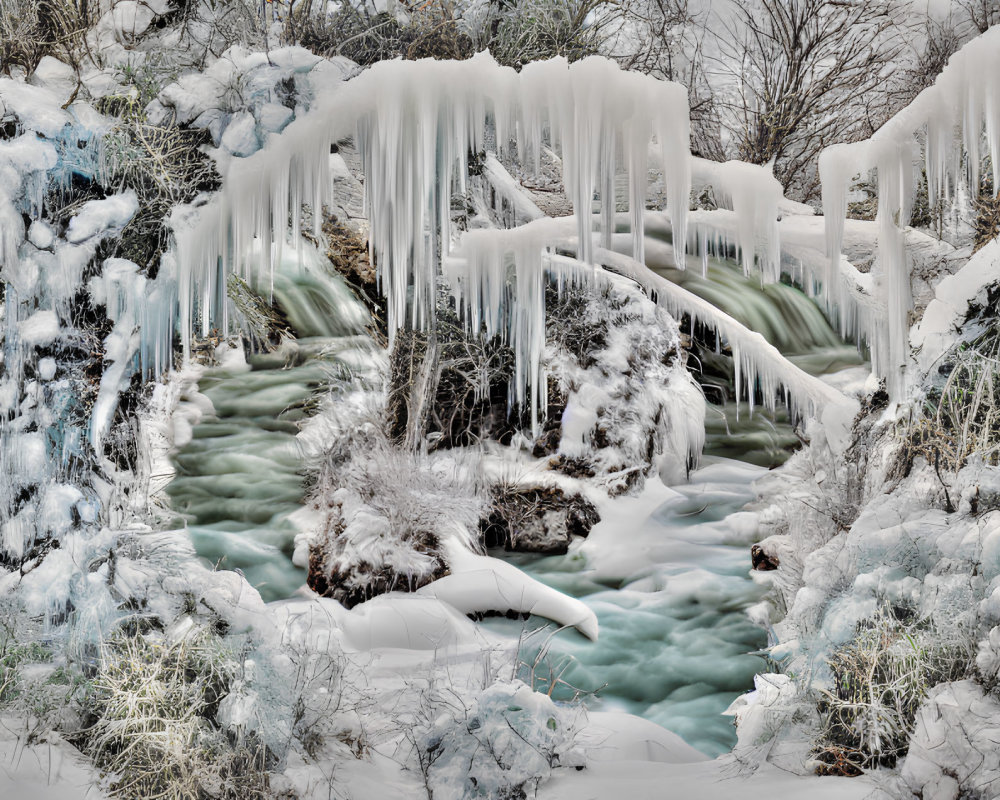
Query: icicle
pixel 965 95
pixel 414 124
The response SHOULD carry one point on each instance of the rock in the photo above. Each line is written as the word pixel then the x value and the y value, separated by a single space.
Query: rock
pixel 240 137
pixel 536 519
pixel 761 560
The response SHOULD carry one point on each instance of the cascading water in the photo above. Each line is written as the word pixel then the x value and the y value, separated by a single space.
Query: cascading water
pixel 667 577
pixel 239 479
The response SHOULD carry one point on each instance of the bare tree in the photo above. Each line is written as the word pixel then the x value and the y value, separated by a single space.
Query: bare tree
pixel 983 14
pixel 665 38
pixel 807 73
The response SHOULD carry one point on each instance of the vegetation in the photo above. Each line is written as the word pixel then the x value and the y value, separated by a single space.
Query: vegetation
pixel 880 679
pixel 154 704
pixel 960 418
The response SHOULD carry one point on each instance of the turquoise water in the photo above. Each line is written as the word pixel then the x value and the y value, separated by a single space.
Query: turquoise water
pixel 675 645
pixel 668 580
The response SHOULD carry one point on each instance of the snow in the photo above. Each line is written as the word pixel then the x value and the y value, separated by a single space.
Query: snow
pixel 240 137
pixel 56 76
pixel 131 19
pixel 40 329
pixel 954 743
pixel 954 297
pixel 36 108
pixel 46 769
pixel 646 780
pixel 611 737
pixel 274 118
pixel 40 235
pixel 98 217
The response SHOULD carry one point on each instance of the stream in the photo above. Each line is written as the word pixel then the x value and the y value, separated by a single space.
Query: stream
pixel 666 572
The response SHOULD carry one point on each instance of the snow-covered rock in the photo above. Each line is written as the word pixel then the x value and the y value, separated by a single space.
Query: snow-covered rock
pixel 953 751
pixel 240 137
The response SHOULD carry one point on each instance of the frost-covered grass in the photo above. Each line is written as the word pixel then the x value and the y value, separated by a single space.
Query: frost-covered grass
pixel 153 705
pixel 880 679
pixel 961 417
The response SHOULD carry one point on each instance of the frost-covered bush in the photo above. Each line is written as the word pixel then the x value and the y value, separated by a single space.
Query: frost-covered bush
pixel 880 679
pixel 164 165
pixel 521 31
pixel 628 404
pixel 386 512
pixel 153 706
pixel 502 746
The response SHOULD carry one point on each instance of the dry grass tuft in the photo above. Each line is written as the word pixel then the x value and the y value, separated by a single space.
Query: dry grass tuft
pixel 154 704
pixel 880 679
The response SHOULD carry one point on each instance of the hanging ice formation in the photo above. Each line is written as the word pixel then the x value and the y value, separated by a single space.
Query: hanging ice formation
pixel 415 124
pixel 752 193
pixel 965 98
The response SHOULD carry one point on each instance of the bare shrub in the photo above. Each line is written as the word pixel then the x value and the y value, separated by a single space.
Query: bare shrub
pixel 450 386
pixel 808 73
pixel 540 519
pixel 880 679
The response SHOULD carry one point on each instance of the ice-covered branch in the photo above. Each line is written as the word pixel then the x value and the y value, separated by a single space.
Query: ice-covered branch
pixel 489 258
pixel 757 362
pixel 965 97
pixel 415 124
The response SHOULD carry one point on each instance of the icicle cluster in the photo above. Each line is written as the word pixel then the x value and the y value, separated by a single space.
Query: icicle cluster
pixel 415 124
pixel 965 98
pixel 753 193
